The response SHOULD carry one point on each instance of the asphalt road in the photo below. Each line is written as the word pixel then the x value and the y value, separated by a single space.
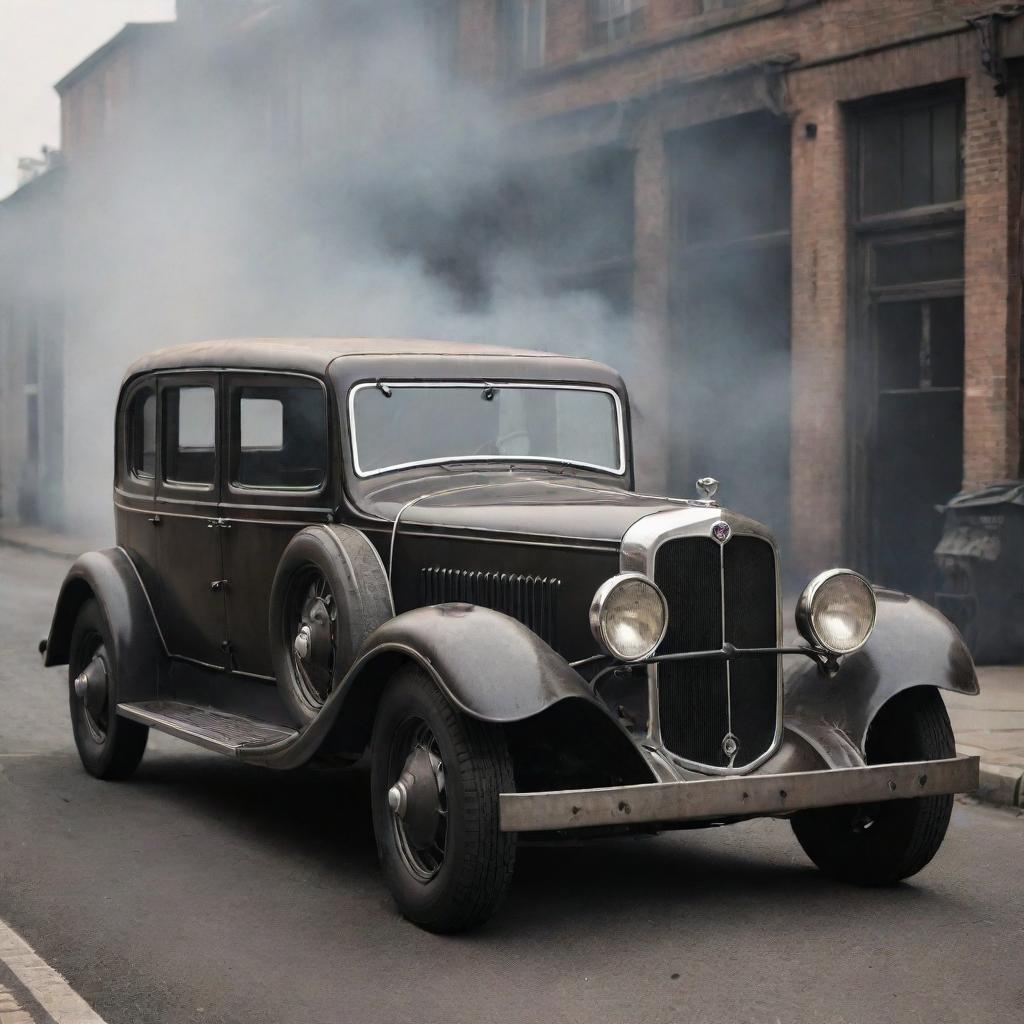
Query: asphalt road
pixel 206 891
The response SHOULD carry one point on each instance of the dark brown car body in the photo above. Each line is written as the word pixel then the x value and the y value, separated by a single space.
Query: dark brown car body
pixel 492 568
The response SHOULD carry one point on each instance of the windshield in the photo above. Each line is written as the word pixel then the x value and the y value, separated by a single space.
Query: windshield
pixel 399 424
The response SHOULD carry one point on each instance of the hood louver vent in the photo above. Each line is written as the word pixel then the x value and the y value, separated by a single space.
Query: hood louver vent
pixel 533 600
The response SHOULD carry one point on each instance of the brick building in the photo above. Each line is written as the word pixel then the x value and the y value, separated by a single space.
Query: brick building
pixel 810 211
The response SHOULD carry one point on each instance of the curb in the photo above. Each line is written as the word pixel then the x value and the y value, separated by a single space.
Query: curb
pixel 68 554
pixel 1002 785
pixel 34 549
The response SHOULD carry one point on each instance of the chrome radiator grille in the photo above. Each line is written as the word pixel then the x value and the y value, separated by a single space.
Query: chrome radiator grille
pixel 533 600
pixel 718 592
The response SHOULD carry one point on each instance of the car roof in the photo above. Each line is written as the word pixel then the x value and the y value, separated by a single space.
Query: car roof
pixel 315 356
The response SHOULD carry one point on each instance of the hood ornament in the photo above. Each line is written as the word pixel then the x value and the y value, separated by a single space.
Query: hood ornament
pixel 707 487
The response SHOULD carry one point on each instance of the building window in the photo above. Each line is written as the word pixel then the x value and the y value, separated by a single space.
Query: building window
pixel 910 156
pixel 523 28
pixel 609 21
pixel 440 21
pixel 707 6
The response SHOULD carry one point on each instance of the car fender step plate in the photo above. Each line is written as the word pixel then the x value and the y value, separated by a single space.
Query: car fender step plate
pixel 206 727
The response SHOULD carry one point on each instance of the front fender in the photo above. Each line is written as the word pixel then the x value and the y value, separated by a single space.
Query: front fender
pixel 111 578
pixel 490 666
pixel 912 645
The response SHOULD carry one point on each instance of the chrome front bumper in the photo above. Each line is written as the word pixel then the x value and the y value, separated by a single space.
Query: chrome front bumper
pixel 735 797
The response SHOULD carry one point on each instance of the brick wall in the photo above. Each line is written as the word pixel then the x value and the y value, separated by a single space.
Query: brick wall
pixel 688 67
pixel 992 270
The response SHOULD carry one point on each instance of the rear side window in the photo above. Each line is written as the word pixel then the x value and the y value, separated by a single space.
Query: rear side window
pixel 141 434
pixel 190 431
pixel 280 437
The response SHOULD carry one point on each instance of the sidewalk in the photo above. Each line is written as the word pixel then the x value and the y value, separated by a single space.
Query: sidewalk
pixel 40 540
pixel 990 725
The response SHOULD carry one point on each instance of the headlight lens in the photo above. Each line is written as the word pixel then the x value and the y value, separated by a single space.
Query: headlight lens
pixel 629 616
pixel 836 611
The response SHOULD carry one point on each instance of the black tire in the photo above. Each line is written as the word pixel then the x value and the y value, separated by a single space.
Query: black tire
pixel 880 844
pixel 110 747
pixel 475 868
pixel 331 580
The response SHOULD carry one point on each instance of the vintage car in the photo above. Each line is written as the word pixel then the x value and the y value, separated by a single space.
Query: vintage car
pixel 431 557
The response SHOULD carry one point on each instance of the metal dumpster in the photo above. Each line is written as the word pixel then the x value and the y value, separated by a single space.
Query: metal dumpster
pixel 981 561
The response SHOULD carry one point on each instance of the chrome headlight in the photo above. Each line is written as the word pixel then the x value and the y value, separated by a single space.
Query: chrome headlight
pixel 629 616
pixel 836 611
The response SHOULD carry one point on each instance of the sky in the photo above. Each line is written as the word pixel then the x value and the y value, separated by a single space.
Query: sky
pixel 40 41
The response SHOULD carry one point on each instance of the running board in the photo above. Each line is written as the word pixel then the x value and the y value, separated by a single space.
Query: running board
pixel 205 727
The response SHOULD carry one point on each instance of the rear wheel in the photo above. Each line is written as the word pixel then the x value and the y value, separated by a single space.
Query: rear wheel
pixel 435 776
pixel 110 747
pixel 878 844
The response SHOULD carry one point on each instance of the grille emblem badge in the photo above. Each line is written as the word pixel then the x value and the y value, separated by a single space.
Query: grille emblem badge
pixel 730 745
pixel 721 531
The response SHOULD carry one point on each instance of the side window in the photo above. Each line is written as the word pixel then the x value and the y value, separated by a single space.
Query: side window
pixel 140 434
pixel 280 437
pixel 190 421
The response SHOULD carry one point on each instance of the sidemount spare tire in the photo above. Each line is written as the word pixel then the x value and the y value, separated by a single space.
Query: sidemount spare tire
pixel 330 592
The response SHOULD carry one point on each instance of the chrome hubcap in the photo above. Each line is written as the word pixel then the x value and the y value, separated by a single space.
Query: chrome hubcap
pixel 313 629
pixel 418 801
pixel 303 645
pixel 91 687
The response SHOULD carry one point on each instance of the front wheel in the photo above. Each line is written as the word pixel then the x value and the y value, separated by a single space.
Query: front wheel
pixel 435 776
pixel 879 844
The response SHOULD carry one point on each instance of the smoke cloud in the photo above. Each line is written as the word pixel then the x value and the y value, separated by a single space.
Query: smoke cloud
pixel 324 176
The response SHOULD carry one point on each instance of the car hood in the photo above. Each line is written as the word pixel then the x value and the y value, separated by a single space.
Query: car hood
pixel 520 504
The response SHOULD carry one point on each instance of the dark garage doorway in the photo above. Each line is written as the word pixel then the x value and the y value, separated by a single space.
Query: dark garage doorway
pixel 907 345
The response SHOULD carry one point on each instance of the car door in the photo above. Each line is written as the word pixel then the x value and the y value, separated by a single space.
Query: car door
pixel 190 598
pixel 277 480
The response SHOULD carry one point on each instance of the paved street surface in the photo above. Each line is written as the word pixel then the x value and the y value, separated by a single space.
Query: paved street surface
pixel 206 891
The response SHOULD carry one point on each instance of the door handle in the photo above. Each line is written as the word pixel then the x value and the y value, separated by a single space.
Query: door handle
pixel 218 524
pixel 155 520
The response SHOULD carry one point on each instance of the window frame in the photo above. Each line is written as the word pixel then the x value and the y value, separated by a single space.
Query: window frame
pixel 188 379
pixel 235 381
pixel 515 35
pixel 619 471
pixel 593 42
pixel 130 481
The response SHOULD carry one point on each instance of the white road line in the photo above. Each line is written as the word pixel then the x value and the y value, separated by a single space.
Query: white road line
pixel 48 988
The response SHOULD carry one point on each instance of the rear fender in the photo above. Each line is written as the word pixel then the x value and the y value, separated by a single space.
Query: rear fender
pixel 111 578
pixel 912 645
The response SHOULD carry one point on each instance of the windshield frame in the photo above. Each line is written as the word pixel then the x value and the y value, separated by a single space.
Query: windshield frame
pixel 364 474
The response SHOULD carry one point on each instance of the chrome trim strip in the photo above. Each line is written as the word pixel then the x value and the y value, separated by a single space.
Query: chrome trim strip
pixel 619 470
pixel 746 797
pixel 228 519
pixel 639 551
pixel 394 534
